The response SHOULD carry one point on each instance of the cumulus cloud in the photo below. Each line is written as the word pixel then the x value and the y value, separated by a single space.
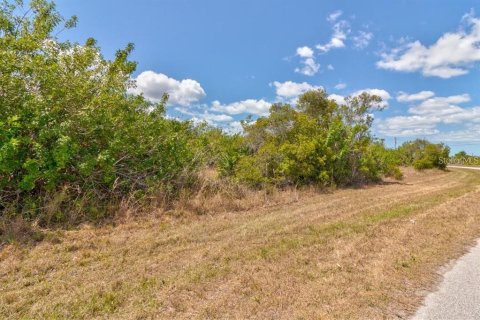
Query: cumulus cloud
pixel 225 122
pixel 341 29
pixel 362 39
pixel 340 86
pixel 422 95
pixel 310 66
pixel 378 92
pixel 181 92
pixel 463 115
pixel 337 98
pixel 215 117
pixel 249 106
pixel 305 52
pixel 406 126
pixel 425 117
pixel 453 54
pixel 290 89
pixel 439 106
pixel 469 134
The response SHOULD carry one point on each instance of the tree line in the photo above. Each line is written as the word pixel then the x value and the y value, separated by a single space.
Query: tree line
pixel 74 142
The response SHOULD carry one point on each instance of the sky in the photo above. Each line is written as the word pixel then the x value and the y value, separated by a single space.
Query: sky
pixel 223 60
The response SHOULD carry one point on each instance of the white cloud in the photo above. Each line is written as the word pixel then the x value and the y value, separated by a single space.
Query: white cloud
pixel 250 106
pixel 310 67
pixel 154 85
pixel 422 95
pixel 378 92
pixel 337 98
pixel 341 29
pixel 453 54
pixel 463 115
pixel 425 117
pixel 470 134
pixel 340 86
pixel 330 67
pixel 216 117
pixel 234 127
pixel 362 39
pixel 290 89
pixel 332 17
pixel 305 52
pixel 439 106
pixel 406 126
pixel 200 113
pixel 210 118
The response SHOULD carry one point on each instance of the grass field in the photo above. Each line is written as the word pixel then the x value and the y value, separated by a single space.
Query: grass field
pixel 352 253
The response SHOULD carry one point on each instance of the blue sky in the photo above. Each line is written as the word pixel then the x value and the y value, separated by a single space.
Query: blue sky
pixel 221 60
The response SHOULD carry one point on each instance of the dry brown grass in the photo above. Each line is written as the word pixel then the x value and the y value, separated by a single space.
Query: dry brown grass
pixel 210 194
pixel 354 253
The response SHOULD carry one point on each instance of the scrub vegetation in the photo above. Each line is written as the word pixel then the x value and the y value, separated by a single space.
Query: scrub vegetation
pixel 76 145
pixel 111 209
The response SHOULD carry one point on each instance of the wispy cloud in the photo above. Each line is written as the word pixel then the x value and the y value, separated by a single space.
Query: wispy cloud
pixel 362 39
pixel 341 30
pixel 422 95
pixel 332 17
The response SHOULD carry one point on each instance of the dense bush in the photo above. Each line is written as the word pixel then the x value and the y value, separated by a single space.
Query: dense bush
pixel 422 154
pixel 70 135
pixel 218 150
pixel 462 158
pixel 318 142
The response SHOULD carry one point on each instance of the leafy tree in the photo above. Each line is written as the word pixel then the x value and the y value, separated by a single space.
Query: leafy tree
pixel 317 142
pixel 423 154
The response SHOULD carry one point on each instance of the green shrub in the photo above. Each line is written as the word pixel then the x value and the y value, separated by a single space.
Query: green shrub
pixel 217 149
pixel 247 170
pixel 422 164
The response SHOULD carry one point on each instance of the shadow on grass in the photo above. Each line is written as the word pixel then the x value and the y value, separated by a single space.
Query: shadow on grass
pixel 19 231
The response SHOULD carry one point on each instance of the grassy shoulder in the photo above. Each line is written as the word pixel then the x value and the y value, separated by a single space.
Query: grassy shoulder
pixel 353 253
